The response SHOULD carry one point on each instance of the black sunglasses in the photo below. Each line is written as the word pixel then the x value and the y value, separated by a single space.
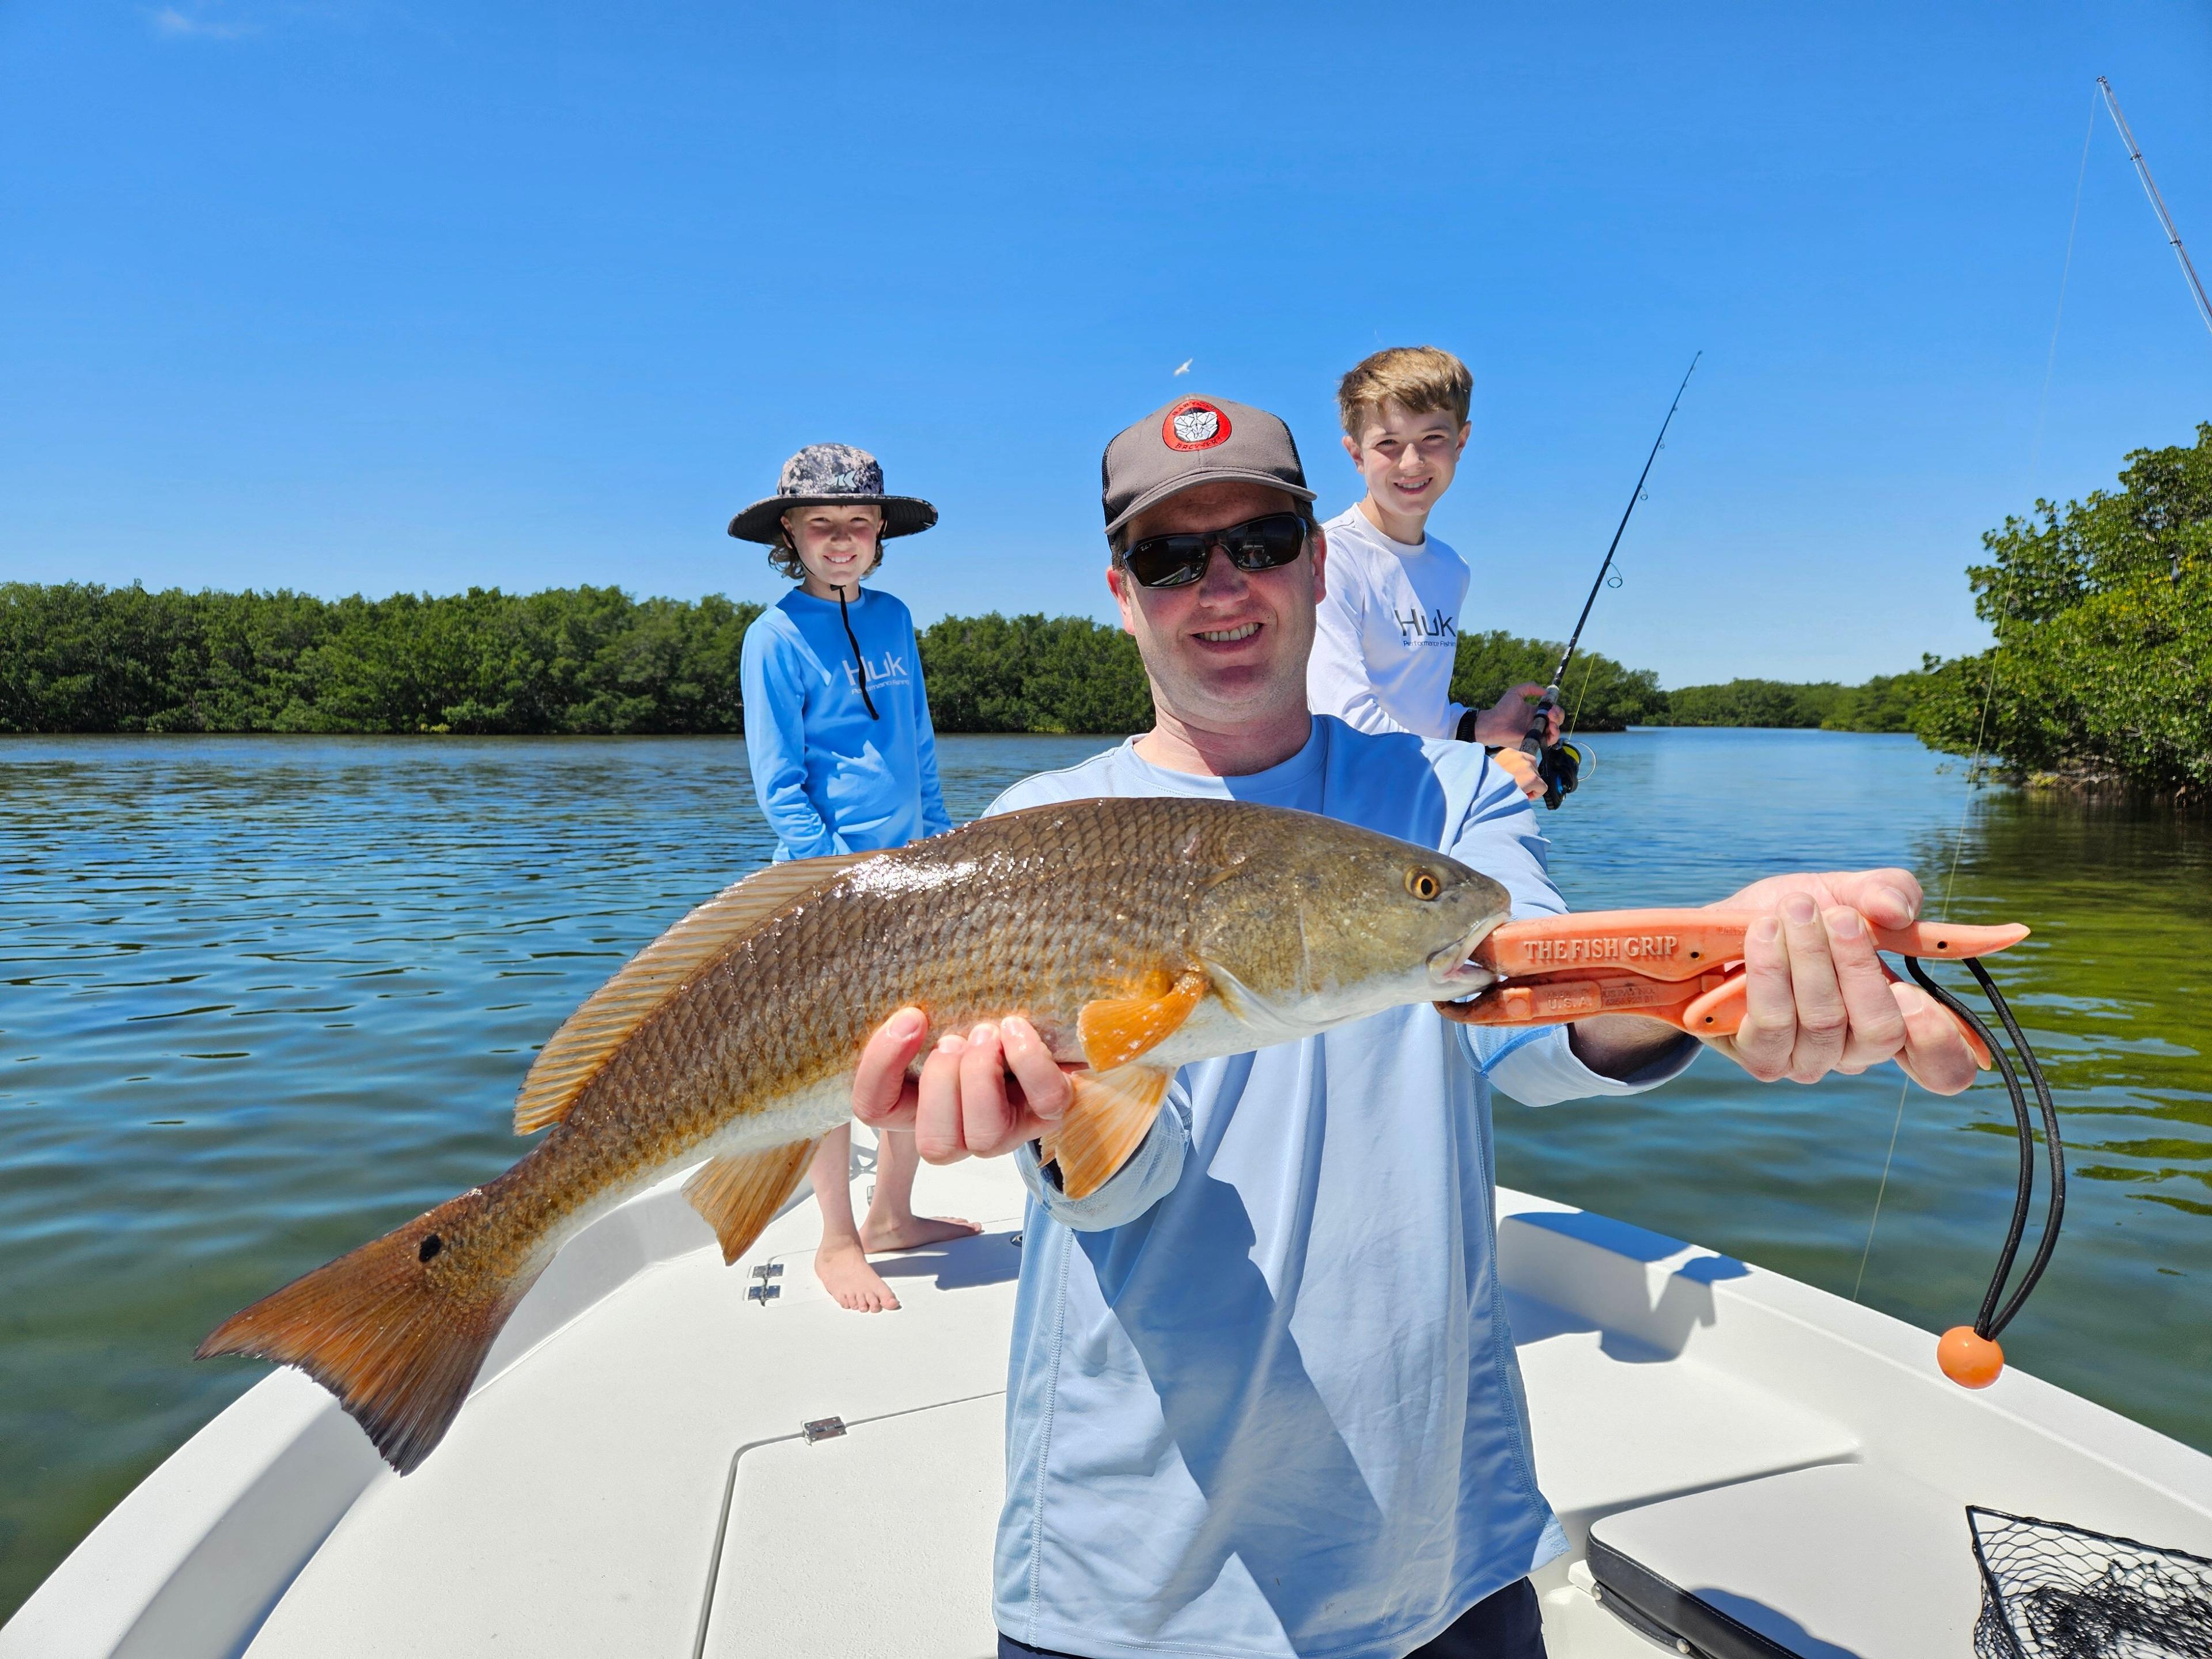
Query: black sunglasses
pixel 1178 560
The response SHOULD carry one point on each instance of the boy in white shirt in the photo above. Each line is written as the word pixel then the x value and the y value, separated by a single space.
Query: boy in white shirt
pixel 1389 628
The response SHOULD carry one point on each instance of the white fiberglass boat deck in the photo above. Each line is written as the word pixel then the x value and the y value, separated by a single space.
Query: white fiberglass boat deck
pixel 660 1459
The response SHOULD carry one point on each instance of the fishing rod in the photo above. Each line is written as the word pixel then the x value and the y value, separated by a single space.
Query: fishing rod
pixel 2157 201
pixel 1560 765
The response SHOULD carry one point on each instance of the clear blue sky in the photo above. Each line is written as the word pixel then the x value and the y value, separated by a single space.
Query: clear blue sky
pixel 363 296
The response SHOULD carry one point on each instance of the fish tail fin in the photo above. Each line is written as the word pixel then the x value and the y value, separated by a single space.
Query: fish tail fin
pixel 397 1329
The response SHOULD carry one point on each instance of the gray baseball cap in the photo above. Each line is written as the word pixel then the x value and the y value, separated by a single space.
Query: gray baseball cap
pixel 832 475
pixel 1196 441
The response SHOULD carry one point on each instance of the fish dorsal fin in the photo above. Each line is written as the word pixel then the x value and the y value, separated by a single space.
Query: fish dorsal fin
pixel 739 1196
pixel 1115 1031
pixel 1108 1120
pixel 587 1037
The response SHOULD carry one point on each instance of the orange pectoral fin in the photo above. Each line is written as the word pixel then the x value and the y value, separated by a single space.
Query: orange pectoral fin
pixel 1108 1119
pixel 1116 1031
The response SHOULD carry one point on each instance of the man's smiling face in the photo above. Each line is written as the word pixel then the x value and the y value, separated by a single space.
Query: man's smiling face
pixel 1231 648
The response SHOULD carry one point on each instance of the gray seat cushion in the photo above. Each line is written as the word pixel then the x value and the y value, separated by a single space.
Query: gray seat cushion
pixel 1838 1562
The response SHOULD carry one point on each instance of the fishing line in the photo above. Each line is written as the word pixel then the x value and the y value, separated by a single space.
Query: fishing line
pixel 1589 667
pixel 1973 772
pixel 2051 358
pixel 1950 883
pixel 1876 1217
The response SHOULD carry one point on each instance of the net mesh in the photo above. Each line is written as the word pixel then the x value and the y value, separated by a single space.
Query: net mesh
pixel 2050 1591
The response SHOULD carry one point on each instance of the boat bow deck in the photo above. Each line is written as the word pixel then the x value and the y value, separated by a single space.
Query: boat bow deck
pixel 635 1476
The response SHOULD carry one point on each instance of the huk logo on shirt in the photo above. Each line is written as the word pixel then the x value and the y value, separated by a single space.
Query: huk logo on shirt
pixel 889 669
pixel 1435 629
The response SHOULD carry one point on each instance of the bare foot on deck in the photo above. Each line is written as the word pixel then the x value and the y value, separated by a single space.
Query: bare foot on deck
pixel 913 1231
pixel 844 1269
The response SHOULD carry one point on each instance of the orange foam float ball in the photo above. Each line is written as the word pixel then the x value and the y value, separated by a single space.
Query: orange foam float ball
pixel 1969 1359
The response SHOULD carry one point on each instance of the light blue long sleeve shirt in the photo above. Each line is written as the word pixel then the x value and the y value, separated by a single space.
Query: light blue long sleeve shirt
pixel 829 777
pixel 1262 1400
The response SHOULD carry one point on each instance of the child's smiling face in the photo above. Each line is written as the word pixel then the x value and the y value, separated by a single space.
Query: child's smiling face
pixel 836 546
pixel 1408 461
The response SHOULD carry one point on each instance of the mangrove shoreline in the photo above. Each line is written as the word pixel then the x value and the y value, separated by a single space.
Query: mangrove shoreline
pixel 2100 679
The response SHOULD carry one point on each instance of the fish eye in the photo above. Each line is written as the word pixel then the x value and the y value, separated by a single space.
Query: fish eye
pixel 1423 885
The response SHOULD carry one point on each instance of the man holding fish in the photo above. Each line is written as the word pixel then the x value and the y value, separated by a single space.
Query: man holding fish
pixel 1262 1400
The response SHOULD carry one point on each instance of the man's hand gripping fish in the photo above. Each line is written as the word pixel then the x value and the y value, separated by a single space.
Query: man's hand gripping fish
pixel 1137 936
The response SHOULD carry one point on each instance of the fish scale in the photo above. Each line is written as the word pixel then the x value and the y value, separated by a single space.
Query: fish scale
pixel 1166 930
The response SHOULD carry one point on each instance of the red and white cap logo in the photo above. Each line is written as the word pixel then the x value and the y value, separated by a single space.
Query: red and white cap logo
pixel 1194 425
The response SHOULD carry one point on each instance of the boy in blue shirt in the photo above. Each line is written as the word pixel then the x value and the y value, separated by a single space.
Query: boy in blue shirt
pixel 843 760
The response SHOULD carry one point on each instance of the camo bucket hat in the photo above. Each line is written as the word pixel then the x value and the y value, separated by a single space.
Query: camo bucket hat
pixel 831 475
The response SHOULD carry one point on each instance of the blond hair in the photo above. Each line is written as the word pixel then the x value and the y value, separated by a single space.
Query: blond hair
pixel 1420 379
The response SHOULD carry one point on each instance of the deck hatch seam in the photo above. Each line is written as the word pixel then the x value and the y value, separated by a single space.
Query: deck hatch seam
pixel 730 1492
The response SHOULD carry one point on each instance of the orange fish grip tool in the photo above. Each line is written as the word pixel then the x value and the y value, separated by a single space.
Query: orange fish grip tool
pixel 1685 968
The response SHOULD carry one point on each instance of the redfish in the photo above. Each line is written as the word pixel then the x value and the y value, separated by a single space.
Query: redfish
pixel 1136 935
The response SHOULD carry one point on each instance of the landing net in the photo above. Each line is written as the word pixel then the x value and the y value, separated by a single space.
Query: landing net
pixel 2050 1591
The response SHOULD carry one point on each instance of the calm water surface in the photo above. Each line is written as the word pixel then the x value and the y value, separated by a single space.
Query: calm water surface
pixel 265 998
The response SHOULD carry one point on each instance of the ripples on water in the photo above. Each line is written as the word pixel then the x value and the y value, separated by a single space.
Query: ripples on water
pixel 265 998
pixel 2111 988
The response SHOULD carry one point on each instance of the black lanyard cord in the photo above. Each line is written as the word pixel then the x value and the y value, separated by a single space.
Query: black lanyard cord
pixel 859 662
pixel 1992 1320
